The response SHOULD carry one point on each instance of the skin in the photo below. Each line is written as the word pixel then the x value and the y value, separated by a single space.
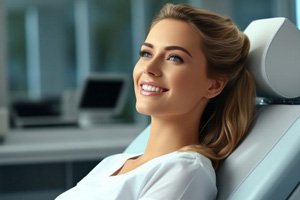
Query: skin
pixel 171 85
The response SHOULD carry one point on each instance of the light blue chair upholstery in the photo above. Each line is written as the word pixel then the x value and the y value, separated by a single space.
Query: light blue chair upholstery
pixel 138 145
pixel 266 165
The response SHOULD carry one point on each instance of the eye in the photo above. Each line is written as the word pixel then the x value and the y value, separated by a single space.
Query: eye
pixel 176 59
pixel 145 54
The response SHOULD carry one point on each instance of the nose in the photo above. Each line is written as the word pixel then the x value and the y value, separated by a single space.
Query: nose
pixel 153 68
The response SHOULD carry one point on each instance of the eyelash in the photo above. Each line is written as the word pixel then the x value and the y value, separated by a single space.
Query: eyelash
pixel 176 59
pixel 173 58
pixel 142 54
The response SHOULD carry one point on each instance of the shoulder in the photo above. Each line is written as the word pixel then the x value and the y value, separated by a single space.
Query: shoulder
pixel 188 163
pixel 191 159
pixel 188 157
pixel 181 174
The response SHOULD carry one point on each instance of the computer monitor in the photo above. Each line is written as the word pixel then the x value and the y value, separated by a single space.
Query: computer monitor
pixel 101 97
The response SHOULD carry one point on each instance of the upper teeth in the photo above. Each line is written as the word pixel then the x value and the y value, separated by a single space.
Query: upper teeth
pixel 151 88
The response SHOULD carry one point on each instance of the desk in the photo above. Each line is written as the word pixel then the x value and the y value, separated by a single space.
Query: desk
pixel 49 161
pixel 66 144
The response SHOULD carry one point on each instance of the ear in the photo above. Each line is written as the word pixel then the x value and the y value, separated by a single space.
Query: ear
pixel 216 87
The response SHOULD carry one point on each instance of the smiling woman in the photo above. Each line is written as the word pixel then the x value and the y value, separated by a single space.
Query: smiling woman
pixel 192 82
pixel 168 62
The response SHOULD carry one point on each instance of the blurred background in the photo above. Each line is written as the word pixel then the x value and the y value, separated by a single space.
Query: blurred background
pixel 52 45
pixel 49 47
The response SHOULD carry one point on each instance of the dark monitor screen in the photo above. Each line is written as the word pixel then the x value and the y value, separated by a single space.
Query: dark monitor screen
pixel 101 94
pixel 102 98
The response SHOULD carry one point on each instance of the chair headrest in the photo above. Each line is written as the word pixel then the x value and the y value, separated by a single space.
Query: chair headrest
pixel 274 57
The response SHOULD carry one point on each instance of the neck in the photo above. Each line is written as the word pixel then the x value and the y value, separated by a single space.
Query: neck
pixel 169 135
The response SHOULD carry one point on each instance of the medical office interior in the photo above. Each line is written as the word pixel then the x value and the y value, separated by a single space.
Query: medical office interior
pixel 66 96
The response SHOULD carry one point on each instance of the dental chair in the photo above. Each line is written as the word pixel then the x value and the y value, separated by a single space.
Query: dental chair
pixel 266 165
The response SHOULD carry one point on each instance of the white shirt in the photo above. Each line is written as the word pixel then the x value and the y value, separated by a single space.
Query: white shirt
pixel 174 176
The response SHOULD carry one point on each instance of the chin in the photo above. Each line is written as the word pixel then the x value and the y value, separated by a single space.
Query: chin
pixel 142 110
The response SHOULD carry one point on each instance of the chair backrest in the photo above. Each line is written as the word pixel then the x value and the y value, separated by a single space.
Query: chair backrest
pixel 266 164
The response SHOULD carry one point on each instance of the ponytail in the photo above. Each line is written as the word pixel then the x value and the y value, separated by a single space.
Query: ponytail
pixel 226 119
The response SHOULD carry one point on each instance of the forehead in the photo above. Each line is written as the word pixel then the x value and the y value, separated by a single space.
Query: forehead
pixel 174 32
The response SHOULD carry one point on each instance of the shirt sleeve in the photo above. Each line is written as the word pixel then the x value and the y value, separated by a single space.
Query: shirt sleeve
pixel 181 179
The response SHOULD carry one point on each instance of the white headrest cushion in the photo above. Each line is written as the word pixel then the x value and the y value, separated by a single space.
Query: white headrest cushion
pixel 274 57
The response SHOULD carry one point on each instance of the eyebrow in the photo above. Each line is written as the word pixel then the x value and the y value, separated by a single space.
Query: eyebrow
pixel 170 48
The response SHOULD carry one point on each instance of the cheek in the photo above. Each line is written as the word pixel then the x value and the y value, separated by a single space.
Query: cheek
pixel 136 73
pixel 191 87
pixel 186 82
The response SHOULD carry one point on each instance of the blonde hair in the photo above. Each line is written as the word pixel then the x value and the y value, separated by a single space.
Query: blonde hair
pixel 228 116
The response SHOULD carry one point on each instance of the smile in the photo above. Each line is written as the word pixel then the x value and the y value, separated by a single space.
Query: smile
pixel 151 89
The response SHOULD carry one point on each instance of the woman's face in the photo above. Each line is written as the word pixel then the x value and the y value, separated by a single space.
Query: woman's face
pixel 170 77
